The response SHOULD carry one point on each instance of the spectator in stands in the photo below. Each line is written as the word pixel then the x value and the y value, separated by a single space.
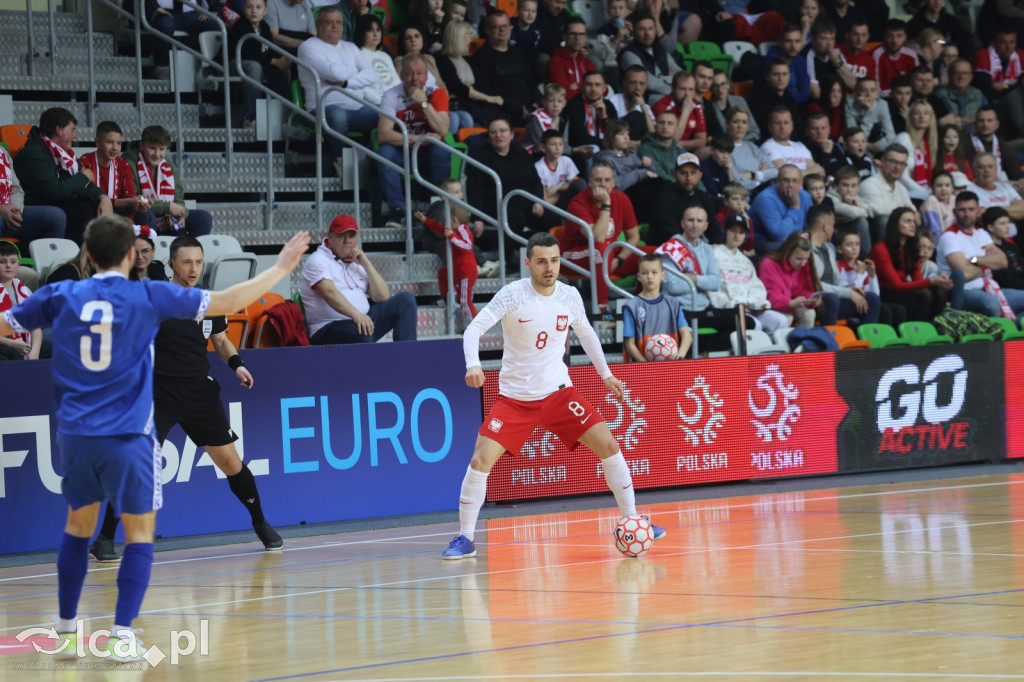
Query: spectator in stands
pixel 631 105
pixel 993 192
pixel 168 17
pixel 548 117
pixel 720 101
pixel 781 150
pixel 351 11
pixel 114 174
pixel 740 283
pixel 857 58
pixel 883 193
pixel 145 249
pixel 805 13
pixel 77 268
pixel 50 175
pixel 770 93
pixel 673 199
pixel 959 96
pixel 23 345
pixel 928 45
pixel 798 82
pixel 291 23
pixel 630 169
pixel 457 74
pixel 985 139
pixel 612 37
pixel 514 167
pixel 856 144
pixel 258 62
pixel 339 63
pixel 684 102
pixel 937 209
pixel 839 299
pixel 525 33
pixel 703 76
pixel 650 312
pixel 901 92
pixel 827 154
pixel 952 152
pixel 970 251
pixel 866 111
pixel 998 67
pixel 568 64
pixel 824 61
pixel 502 69
pixel 851 216
pixel 687 252
pixel 646 51
pixel 345 298
pixel 557 172
pixel 791 281
pixel 931 14
pixel 587 116
pixel 609 213
pixel 781 210
pixel 369 38
pixel 464 268
pixel 922 84
pixel 662 146
pixel 893 57
pixel 552 18
pixel 750 167
pixel 672 26
pixel 716 170
pixel 831 103
pixel 950 54
pixel 898 265
pixel 21 222
pixel 921 139
pixel 996 221
pixel 736 202
pixel 428 17
pixel 424 111
pixel 157 179
pixel 845 14
pixel 411 41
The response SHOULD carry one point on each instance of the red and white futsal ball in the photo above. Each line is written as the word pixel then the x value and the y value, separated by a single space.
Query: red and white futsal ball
pixel 633 536
pixel 660 347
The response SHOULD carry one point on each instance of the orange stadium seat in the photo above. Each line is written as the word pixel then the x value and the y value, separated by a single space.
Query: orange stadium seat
pixel 256 314
pixel 238 331
pixel 14 137
pixel 846 339
pixel 468 132
pixel 742 89
pixel 475 44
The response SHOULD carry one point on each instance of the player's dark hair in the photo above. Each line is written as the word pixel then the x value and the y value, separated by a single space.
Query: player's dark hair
pixel 53 118
pixel 183 242
pixel 105 127
pixel 8 249
pixel 108 239
pixel 540 239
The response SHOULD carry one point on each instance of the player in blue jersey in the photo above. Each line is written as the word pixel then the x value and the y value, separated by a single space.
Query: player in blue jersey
pixel 103 330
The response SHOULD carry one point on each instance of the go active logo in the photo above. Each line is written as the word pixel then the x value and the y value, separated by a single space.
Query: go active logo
pixel 917 411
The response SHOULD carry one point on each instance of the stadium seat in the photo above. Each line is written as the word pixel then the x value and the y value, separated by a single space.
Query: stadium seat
pixel 1010 330
pixel 238 331
pixel 255 312
pixel 592 12
pixel 48 253
pixel 210 79
pixel 764 47
pixel 880 336
pixel 922 334
pixel 162 247
pixel 845 337
pixel 737 48
pixel 758 343
pixel 230 269
pixel 14 137
pixel 509 7
pixel 475 44
pixel 743 89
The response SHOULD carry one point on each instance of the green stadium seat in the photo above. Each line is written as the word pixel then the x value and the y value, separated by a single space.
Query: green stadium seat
pixel 880 336
pixel 1010 330
pixel 699 49
pixel 922 334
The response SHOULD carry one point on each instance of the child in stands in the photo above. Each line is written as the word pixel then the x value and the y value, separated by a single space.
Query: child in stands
pixel 114 175
pixel 26 345
pixel 548 117
pixel 557 172
pixel 651 312
pixel 735 202
pixel 861 274
pixel 791 279
pixel 464 268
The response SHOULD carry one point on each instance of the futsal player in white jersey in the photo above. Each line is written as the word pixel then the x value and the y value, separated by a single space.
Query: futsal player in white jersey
pixel 534 385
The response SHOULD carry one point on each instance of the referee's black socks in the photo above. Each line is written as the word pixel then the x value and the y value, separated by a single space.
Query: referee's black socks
pixel 243 485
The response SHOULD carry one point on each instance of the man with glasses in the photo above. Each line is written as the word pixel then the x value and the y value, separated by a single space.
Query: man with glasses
pixel 882 193
pixel 960 96
pixel 568 64
pixel 502 70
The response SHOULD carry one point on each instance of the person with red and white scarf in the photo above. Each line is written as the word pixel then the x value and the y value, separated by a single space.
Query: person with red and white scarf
pixel 51 176
pixel 114 174
pixel 19 221
pixel 157 180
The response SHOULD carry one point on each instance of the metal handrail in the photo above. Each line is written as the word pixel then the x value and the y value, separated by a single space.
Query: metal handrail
pixel 675 273
pixel 30 62
pixel 92 59
pixel 51 13
pixel 143 20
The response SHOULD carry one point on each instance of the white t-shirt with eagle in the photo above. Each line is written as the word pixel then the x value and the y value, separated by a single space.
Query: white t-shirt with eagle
pixel 535 328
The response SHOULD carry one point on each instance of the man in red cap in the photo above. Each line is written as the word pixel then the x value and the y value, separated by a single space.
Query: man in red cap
pixel 345 298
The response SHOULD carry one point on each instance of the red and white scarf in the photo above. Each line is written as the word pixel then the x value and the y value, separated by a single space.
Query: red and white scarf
pixel 92 162
pixel 8 301
pixel 1004 74
pixel 679 253
pixel 163 188
pixel 64 159
pixel 595 126
pixel 6 179
pixel 992 288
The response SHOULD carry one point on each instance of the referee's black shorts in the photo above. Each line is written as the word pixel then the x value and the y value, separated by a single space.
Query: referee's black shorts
pixel 195 404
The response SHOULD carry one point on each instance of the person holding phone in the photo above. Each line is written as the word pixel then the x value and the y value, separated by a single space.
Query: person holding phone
pixel 791 280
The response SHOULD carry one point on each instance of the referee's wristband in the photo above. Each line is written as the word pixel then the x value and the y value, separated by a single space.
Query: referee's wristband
pixel 235 361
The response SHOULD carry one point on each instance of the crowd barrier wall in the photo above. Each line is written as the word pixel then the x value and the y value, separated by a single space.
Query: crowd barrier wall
pixel 379 430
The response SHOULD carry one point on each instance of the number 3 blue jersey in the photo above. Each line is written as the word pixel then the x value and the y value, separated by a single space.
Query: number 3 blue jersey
pixel 103 330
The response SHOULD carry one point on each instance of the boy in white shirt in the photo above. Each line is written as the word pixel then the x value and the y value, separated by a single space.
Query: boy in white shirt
pixel 557 172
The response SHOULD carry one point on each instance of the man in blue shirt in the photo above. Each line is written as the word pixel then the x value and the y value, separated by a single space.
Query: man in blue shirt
pixel 781 210
pixel 103 375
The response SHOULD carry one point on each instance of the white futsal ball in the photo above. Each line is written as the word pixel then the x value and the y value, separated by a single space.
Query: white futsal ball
pixel 660 347
pixel 633 536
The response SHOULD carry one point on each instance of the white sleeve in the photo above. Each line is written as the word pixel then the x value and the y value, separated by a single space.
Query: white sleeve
pixel 485 319
pixel 588 337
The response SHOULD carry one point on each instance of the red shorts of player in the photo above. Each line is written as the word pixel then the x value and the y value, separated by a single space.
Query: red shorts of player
pixel 566 413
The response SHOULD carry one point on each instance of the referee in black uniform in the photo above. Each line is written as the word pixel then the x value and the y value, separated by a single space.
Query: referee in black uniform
pixel 184 393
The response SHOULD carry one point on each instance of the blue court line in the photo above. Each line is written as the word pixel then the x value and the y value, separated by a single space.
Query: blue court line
pixel 870 631
pixel 731 622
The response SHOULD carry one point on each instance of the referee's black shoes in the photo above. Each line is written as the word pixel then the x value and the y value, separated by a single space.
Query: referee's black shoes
pixel 268 536
pixel 103 550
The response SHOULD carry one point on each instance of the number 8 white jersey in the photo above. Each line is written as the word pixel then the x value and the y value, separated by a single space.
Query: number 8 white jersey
pixel 535 328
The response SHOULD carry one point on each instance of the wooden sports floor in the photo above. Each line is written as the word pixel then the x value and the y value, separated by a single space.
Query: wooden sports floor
pixel 917 580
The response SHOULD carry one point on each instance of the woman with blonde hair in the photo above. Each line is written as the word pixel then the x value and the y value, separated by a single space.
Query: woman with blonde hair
pixel 468 106
pixel 922 140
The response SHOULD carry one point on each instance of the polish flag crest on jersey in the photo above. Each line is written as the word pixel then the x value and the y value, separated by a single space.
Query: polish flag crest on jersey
pixel 563 323
pixel 495 425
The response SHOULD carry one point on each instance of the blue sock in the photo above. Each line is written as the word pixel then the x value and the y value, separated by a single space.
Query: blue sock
pixel 132 581
pixel 72 566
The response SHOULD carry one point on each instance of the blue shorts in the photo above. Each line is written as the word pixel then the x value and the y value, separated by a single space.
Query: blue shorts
pixel 124 470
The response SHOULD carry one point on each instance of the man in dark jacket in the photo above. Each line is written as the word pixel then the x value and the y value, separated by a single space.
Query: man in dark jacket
pixel 587 116
pixel 50 174
pixel 502 69
pixel 676 198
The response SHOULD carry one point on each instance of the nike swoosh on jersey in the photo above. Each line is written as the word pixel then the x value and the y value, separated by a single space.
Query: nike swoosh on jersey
pixel 627 486
pixel 584 421
pixel 524 321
